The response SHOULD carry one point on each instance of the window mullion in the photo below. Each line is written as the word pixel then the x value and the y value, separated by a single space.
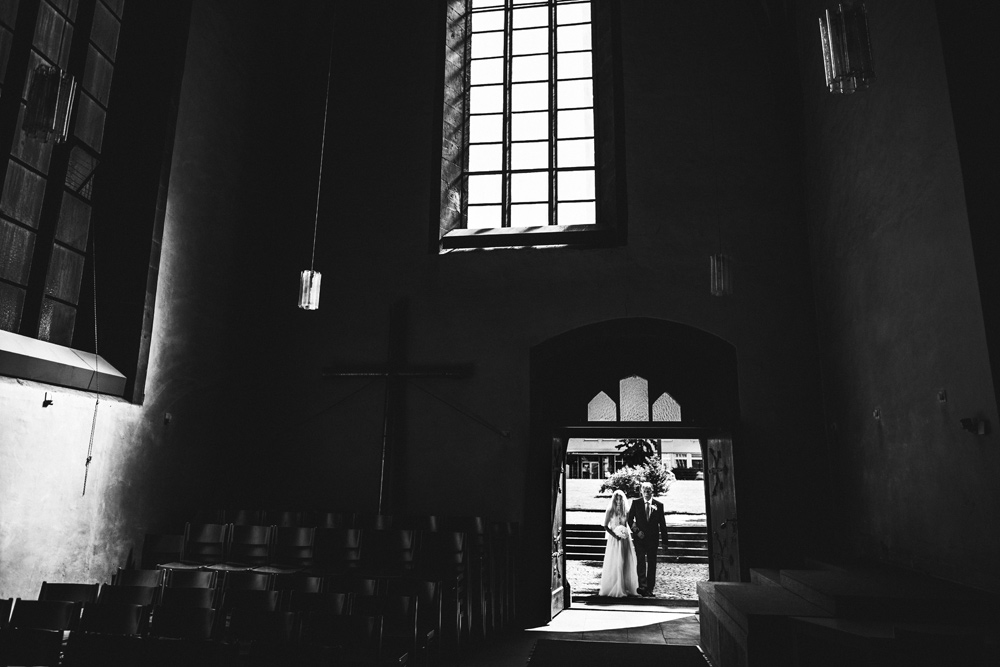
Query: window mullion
pixel 553 115
pixel 508 66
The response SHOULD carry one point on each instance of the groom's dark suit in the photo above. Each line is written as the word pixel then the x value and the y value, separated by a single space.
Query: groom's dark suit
pixel 646 546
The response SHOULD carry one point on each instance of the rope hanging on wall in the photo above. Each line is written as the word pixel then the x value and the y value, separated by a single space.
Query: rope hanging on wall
pixel 97 358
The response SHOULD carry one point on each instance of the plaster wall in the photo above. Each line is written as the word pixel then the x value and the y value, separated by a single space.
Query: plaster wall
pixel 900 318
pixel 711 162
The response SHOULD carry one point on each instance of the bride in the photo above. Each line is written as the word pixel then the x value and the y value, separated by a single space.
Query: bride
pixel 619 577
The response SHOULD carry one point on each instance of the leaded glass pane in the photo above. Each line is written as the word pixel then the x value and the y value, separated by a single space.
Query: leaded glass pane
pixel 573 37
pixel 485 189
pixel 576 153
pixel 602 409
pixel 531 17
pixel 529 215
pixel 74 222
pixel 535 40
pixel 97 76
pixel 532 186
pixel 485 157
pixel 23 191
pixel 484 217
pixel 529 96
pixel 487 44
pixel 486 71
pixel 485 128
pixel 530 155
pixel 575 94
pixel 530 68
pixel 11 306
pixel 666 409
pixel 573 13
pixel 65 273
pixel 575 185
pixel 577 213
pixel 575 123
pixel 89 122
pixel 18 244
pixel 527 126
pixel 56 322
pixel 634 397
pixel 53 35
pixel 482 21
pixel 29 150
pixel 486 99
pixel 574 65
pixel 104 34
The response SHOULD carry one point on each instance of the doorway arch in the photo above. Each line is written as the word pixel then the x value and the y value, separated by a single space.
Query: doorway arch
pixel 697 368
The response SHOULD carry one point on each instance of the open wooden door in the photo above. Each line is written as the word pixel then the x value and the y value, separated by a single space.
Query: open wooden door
pixel 722 520
pixel 560 593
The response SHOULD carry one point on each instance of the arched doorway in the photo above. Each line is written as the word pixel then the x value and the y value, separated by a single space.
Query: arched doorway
pixel 694 367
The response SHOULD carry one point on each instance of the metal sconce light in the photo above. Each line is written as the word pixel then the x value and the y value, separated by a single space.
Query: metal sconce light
pixel 50 104
pixel 847 49
pixel 309 280
pixel 721 275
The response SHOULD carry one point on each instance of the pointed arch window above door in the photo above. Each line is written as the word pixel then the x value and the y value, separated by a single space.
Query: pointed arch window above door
pixel 633 405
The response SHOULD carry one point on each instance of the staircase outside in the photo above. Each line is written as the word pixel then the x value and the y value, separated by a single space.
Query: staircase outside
pixel 686 543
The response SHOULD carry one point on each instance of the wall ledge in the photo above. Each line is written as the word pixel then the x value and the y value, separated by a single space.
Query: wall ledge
pixel 41 361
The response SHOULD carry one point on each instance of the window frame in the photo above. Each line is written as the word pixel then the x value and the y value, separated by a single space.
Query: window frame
pixel 450 211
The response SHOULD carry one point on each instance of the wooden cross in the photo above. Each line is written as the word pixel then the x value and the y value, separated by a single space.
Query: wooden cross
pixel 395 371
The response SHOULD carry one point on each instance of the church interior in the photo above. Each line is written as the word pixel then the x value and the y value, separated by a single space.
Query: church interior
pixel 851 360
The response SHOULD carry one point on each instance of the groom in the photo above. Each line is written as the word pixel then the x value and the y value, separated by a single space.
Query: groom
pixel 646 520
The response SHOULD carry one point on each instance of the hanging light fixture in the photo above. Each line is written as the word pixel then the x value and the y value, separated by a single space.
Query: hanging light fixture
pixel 721 275
pixel 310 279
pixel 49 105
pixel 847 49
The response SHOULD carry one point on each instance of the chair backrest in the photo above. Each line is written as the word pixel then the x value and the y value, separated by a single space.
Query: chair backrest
pixel 152 577
pixel 338 548
pixel 190 579
pixel 141 595
pixel 428 591
pixel 334 520
pixel 245 517
pixel 182 622
pixel 246 580
pixel 294 546
pixel 296 581
pixel 271 627
pixel 160 548
pixel 331 603
pixel 388 551
pixel 350 583
pixel 44 614
pixel 188 598
pixel 441 550
pixel 111 618
pixel 249 544
pixel 205 543
pixel 69 592
pixel 286 518
pixel 249 599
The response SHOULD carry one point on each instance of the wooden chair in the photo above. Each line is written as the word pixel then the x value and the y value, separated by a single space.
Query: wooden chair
pixel 287 584
pixel 287 518
pixel 161 548
pixel 441 556
pixel 35 632
pixel 245 517
pixel 387 552
pixel 353 583
pixel 246 580
pixel 151 577
pixel 294 550
pixel 249 546
pixel 337 550
pixel 330 603
pixel 140 595
pixel 399 620
pixel 69 592
pixel 190 579
pixel 428 592
pixel 188 598
pixel 204 545
pixel 197 623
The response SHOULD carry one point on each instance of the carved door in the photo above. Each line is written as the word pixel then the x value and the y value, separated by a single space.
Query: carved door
pixel 723 524
pixel 559 586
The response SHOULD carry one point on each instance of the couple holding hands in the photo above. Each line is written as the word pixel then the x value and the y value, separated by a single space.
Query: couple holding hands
pixel 633 539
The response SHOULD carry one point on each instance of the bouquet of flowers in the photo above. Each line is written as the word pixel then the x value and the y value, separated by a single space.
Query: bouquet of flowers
pixel 621 532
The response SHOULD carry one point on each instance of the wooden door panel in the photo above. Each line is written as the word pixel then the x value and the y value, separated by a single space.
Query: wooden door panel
pixel 723 520
pixel 558 586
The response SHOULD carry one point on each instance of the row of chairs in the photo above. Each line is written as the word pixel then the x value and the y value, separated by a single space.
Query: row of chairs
pixel 334 519
pixel 355 631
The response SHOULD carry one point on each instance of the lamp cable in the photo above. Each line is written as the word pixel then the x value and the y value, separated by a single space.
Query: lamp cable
pixel 322 150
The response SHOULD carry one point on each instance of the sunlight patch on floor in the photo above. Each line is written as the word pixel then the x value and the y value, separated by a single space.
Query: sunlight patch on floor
pixel 587 620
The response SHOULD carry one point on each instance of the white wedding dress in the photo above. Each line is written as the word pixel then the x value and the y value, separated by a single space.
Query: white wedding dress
pixel 619 577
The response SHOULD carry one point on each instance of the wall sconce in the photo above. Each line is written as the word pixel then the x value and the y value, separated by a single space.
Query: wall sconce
pixel 721 275
pixel 50 104
pixel 847 49
pixel 977 426
pixel 309 281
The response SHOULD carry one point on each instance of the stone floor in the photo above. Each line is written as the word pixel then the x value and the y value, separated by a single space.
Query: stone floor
pixel 641 621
